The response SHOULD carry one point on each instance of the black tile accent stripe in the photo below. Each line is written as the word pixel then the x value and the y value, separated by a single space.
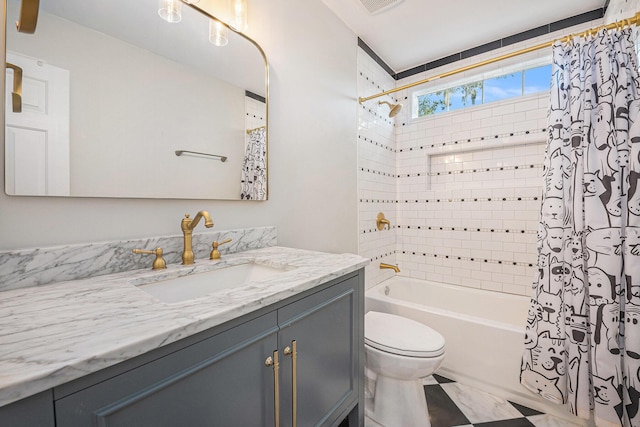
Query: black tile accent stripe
pixel 376 172
pixel 374 56
pixel 377 144
pixel 467 229
pixel 449 200
pixel 375 230
pixel 383 256
pixel 496 44
pixel 576 20
pixel 461 142
pixel 377 201
pixel 472 199
pixel 374 84
pixel 385 118
pixel 255 96
pixel 481 49
pixel 462 258
pixel 254 116
pixel 474 170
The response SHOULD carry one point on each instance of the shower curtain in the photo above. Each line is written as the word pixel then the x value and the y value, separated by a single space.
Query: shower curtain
pixel 254 168
pixel 582 343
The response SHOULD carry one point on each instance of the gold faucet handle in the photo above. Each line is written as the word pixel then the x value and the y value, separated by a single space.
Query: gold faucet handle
pixel 159 263
pixel 215 253
pixel 381 221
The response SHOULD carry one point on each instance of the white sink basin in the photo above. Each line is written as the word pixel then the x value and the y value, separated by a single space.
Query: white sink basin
pixel 199 284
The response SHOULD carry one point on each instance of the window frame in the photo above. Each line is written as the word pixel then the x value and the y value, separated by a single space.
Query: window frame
pixel 457 82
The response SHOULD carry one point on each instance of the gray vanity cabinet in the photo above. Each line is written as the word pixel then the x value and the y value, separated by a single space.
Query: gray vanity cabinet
pixel 33 411
pixel 220 378
pixel 219 381
pixel 324 327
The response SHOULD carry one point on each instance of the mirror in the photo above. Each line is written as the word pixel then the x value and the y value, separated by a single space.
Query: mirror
pixel 117 102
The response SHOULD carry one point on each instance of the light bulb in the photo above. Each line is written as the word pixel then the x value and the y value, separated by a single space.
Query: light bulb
pixel 238 9
pixel 218 33
pixel 170 10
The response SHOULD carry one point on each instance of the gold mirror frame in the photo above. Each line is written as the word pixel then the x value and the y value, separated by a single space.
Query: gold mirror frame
pixel 266 111
pixel 266 78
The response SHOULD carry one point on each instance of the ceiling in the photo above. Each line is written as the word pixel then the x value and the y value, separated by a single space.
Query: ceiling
pixel 414 32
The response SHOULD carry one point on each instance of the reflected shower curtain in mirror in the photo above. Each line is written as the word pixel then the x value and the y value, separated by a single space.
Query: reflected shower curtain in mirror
pixel 254 168
pixel 582 343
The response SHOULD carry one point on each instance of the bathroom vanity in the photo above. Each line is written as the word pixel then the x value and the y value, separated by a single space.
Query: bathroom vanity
pixel 282 351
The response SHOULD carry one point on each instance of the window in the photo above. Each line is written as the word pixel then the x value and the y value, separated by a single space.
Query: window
pixel 490 89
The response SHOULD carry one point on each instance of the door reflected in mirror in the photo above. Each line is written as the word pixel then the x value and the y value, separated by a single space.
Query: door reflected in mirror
pixel 110 93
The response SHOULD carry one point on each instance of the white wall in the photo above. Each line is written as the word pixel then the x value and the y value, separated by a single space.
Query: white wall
pixel 312 151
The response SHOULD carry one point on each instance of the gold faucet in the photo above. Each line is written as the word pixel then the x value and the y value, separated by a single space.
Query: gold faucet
pixel 392 267
pixel 188 225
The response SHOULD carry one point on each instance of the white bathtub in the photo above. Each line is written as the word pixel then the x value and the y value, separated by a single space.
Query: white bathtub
pixel 483 330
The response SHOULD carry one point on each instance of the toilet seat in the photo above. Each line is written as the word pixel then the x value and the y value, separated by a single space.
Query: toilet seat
pixel 399 335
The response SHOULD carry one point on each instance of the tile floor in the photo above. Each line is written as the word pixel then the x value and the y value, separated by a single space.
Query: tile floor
pixel 452 404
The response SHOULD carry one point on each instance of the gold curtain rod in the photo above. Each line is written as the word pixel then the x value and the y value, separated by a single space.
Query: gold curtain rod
pixel 619 24
pixel 254 129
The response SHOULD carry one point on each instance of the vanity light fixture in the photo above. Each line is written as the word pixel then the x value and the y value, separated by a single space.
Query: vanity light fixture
pixel 238 10
pixel 170 10
pixel 218 33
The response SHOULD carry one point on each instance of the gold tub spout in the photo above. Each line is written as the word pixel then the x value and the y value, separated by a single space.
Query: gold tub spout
pixel 187 226
pixel 392 267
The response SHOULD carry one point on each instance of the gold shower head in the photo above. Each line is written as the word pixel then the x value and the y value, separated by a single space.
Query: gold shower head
pixel 394 108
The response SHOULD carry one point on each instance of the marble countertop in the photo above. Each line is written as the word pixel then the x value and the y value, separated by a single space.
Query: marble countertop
pixel 56 333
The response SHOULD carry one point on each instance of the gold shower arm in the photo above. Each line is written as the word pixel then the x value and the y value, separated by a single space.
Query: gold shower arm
pixel 16 94
pixel 28 16
pixel 620 24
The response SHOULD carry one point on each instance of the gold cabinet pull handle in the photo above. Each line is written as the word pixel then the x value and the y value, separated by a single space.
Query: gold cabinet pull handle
pixel 273 361
pixel 293 352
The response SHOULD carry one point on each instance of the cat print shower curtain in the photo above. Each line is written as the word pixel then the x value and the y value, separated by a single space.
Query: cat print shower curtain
pixel 582 343
pixel 254 167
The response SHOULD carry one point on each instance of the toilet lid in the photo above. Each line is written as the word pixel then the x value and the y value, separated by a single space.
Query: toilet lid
pixel 402 336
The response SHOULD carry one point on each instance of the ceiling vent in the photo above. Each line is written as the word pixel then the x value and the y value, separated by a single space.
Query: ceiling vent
pixel 378 6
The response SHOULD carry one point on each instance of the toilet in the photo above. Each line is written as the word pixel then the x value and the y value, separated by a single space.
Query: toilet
pixel 399 352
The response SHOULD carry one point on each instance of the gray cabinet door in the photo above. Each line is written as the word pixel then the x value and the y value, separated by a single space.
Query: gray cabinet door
pixel 325 328
pixel 33 411
pixel 221 381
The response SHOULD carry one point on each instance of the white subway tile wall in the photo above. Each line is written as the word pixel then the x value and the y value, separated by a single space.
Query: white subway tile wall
pixel 461 189
pixel 256 113
pixel 376 170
